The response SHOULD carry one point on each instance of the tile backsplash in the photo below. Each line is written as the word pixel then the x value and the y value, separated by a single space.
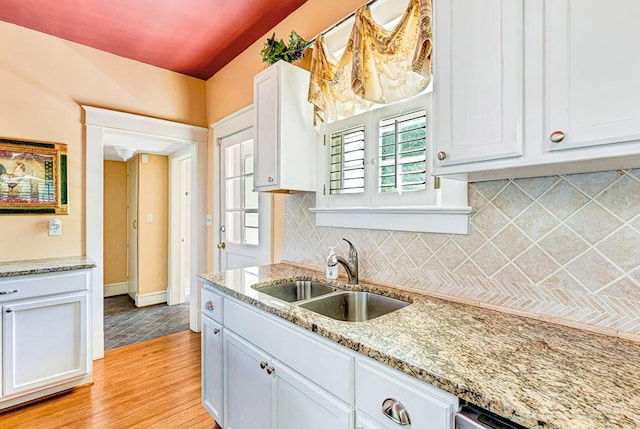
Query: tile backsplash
pixel 564 248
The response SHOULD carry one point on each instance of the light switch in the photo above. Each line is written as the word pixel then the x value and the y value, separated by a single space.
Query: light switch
pixel 55 227
pixel 149 217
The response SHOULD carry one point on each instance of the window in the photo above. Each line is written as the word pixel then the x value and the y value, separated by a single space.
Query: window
pixel 376 165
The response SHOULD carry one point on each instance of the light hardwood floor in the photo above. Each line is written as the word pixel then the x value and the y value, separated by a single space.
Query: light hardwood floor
pixel 154 384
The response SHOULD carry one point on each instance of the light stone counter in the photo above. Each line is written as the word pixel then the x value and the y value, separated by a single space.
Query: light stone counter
pixel 534 373
pixel 43 266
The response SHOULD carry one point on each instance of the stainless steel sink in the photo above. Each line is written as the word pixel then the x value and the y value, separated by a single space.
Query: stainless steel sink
pixel 354 306
pixel 296 291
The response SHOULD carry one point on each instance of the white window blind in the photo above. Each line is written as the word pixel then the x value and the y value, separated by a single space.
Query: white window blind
pixel 403 153
pixel 347 161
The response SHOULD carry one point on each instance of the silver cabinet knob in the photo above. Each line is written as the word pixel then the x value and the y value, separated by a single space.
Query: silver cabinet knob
pixel 8 292
pixel 216 331
pixel 556 136
pixel 395 411
pixel 270 370
pixel 442 155
pixel 269 179
pixel 209 305
pixel 263 364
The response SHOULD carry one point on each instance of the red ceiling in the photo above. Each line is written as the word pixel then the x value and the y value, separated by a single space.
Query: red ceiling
pixel 194 37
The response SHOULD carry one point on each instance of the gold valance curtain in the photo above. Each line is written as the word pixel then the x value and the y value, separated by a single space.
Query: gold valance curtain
pixel 377 66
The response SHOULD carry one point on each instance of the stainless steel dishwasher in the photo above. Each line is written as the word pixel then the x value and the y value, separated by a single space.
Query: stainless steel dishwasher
pixel 472 417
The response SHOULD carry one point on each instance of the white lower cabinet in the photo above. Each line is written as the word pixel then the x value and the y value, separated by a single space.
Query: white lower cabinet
pixel 278 376
pixel 247 386
pixel 212 380
pixel 44 341
pixel 394 400
pixel 300 403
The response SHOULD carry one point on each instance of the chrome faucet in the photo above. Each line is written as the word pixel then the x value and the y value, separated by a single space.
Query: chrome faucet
pixel 350 266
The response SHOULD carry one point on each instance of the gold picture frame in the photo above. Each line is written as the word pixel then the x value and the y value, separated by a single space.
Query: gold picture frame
pixel 33 177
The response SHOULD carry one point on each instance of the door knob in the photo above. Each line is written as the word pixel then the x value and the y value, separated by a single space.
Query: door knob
pixel 442 155
pixel 222 245
pixel 263 364
pixel 269 179
pixel 556 136
pixel 270 370
pixel 216 331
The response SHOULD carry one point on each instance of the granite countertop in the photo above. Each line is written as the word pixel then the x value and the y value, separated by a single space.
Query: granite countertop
pixel 534 373
pixel 42 266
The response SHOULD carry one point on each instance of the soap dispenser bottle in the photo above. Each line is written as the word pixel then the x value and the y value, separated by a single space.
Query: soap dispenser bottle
pixel 332 265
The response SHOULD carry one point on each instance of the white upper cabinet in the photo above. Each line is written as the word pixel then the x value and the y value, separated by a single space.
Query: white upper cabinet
pixel 592 72
pixel 284 136
pixel 535 88
pixel 478 80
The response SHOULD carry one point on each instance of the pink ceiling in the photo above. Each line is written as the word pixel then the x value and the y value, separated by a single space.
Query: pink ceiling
pixel 194 37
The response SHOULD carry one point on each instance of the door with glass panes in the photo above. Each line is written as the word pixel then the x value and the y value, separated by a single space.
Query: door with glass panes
pixel 245 215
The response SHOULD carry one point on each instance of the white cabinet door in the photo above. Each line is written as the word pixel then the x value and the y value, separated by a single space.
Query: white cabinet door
pixel 212 388
pixel 248 387
pixel 378 387
pixel 265 90
pixel 283 123
pixel 478 81
pixel 592 72
pixel 44 341
pixel 301 404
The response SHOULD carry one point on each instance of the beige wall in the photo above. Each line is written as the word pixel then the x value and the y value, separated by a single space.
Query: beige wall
pixel 153 237
pixel 115 222
pixel 231 89
pixel 43 82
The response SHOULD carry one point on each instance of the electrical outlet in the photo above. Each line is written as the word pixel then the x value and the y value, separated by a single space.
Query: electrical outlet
pixel 55 227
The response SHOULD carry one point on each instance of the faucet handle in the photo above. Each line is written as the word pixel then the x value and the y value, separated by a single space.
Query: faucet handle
pixel 352 249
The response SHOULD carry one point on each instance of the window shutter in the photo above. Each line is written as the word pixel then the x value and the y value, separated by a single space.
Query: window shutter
pixel 403 153
pixel 347 161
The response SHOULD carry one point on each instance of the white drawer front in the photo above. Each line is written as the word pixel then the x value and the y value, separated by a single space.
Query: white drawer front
pixel 427 406
pixel 17 288
pixel 326 366
pixel 212 305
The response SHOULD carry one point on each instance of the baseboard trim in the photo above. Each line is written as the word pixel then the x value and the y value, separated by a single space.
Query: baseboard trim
pixel 113 289
pixel 150 298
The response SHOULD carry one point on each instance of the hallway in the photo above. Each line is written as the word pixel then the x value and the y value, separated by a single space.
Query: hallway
pixel 125 324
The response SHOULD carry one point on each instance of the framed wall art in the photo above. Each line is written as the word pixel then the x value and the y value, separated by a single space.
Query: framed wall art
pixel 33 177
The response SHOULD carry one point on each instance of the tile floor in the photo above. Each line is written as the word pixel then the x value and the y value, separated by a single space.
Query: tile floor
pixel 125 324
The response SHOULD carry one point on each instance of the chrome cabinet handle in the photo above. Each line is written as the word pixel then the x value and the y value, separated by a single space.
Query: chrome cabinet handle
pixel 263 364
pixel 216 331
pixel 9 310
pixel 395 411
pixel 209 305
pixel 8 292
pixel 442 155
pixel 556 136
pixel 270 370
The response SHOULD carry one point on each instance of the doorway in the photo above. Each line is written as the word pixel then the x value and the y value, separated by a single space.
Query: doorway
pixel 102 124
pixel 179 228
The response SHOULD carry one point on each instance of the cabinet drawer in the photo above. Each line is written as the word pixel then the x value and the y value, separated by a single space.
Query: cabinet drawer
pixel 426 406
pixel 18 288
pixel 211 305
pixel 326 366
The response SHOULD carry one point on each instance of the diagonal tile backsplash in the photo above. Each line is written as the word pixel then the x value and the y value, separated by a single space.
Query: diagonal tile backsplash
pixel 564 248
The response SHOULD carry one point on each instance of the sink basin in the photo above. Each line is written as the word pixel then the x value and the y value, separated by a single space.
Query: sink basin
pixel 354 306
pixel 296 291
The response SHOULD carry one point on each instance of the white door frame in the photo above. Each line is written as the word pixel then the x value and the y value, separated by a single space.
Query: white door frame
pixel 238 121
pixel 175 294
pixel 98 124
